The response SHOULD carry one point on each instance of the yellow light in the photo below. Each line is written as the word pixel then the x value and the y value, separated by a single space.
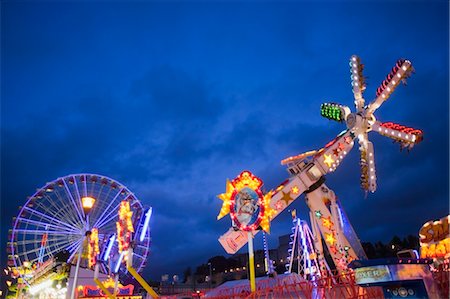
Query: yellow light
pixel 328 160
pixel 327 222
pixel 247 179
pixel 26 264
pixel 226 200
pixel 330 238
pixel 295 190
pixel 87 202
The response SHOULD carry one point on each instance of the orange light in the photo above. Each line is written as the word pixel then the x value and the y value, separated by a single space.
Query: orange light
pixel 87 202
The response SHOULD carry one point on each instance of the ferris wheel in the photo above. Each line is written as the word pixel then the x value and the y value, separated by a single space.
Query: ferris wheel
pixel 53 220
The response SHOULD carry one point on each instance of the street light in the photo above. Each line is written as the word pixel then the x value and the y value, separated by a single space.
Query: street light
pixel 87 203
pixel 210 274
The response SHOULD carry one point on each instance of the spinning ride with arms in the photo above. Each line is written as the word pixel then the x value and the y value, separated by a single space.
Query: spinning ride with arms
pixel 308 170
pixel 53 220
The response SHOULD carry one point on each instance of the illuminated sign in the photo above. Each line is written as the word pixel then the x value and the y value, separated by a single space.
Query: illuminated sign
pixel 435 239
pixel 373 274
pixel 123 292
pixel 245 202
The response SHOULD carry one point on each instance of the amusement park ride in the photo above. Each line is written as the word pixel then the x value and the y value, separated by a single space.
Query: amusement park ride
pixel 308 170
pixel 96 221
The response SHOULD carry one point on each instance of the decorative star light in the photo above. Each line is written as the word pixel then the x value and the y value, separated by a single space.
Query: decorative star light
pixel 328 160
pixel 318 214
pixel 226 197
pixel 295 190
pixel 330 238
pixel 268 213
pixel 279 205
pixel 327 222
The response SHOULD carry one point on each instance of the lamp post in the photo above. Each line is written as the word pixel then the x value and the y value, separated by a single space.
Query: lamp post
pixel 210 275
pixel 87 203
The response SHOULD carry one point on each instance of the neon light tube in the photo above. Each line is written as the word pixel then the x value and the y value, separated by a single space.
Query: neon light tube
pixel 119 261
pixel 109 247
pixel 147 216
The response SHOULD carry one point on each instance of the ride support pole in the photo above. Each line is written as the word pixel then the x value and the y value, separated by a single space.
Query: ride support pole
pixel 251 262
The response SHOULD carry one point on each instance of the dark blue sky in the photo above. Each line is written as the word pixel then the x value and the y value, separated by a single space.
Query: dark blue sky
pixel 171 99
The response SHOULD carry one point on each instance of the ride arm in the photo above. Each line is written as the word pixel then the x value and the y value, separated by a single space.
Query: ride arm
pixel 399 73
pixel 329 158
pixel 406 136
pixel 358 81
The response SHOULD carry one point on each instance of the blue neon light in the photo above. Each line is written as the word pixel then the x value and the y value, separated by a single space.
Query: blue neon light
pixel 147 215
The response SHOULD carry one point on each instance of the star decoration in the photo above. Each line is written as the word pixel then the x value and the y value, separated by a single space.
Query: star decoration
pixel 328 160
pixel 268 213
pixel 327 222
pixel 286 197
pixel 295 190
pixel 348 139
pixel 341 146
pixel 318 214
pixel 226 197
pixel 330 238
pixel 279 205
pixel 336 152
pixel 333 249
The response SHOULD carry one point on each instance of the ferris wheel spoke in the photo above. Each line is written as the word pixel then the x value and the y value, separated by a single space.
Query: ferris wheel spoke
pixel 46 225
pixel 68 211
pixel 39 241
pixel 100 219
pixel 58 207
pixel 33 232
pixel 76 203
pixel 50 219
pixel 107 219
pixel 35 250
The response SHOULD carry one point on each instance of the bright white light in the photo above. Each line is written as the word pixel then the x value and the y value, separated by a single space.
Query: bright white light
pixel 371 161
pixel 407 136
pixel 371 169
pixel 399 134
pixel 379 129
pixel 147 216
pixel 356 83
pixel 393 82
pixel 35 289
pixel 404 68
pixel 385 130
pixel 393 133
pixel 109 247
pixel 119 261
pixel 370 155
pixel 388 89
pixel 372 177
pixel 354 58
pixel 398 75
pixel 345 153
pixel 354 65
pixel 383 96
pixel 413 138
